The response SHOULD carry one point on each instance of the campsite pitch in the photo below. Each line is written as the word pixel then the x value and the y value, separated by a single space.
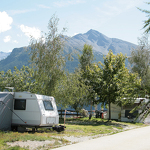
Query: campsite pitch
pixel 77 130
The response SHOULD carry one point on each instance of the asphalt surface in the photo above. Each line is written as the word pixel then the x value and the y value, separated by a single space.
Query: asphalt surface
pixel 135 139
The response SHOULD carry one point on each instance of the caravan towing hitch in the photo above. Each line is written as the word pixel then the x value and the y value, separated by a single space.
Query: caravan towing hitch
pixel 59 128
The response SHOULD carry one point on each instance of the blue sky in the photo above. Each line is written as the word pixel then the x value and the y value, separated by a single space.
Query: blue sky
pixel 114 18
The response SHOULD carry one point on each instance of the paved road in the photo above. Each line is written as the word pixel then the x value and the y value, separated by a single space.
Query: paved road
pixel 136 139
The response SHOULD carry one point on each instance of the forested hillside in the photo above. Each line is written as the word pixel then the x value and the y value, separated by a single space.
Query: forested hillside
pixel 100 43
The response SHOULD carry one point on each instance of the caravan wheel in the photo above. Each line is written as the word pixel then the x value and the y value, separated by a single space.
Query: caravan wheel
pixel 59 128
pixel 14 128
pixel 33 130
pixel 21 129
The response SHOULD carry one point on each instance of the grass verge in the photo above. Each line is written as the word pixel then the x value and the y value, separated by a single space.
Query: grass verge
pixel 81 127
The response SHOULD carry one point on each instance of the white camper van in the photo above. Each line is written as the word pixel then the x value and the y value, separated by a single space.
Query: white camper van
pixel 31 110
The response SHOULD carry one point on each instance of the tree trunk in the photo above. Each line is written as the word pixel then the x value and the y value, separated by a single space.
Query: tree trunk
pixel 91 108
pixel 109 110
pixel 90 116
pixel 96 107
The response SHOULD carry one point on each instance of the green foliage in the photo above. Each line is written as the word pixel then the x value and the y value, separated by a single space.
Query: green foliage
pixel 16 148
pixel 112 81
pixel 49 61
pixel 146 22
pixel 140 62
pixel 21 80
pixel 86 57
pixel 85 60
pixel 71 91
pixel 47 58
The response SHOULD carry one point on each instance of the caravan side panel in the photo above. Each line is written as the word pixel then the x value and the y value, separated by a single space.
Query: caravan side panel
pixel 30 114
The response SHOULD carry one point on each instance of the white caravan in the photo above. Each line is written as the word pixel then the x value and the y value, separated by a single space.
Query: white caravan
pixel 123 113
pixel 32 110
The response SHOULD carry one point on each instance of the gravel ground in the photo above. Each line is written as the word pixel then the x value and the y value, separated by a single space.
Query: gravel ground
pixel 32 145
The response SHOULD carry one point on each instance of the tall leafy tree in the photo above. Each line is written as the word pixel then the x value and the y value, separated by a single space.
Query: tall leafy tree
pixel 85 60
pixel 140 62
pixel 141 55
pixel 47 58
pixel 71 91
pixel 86 57
pixel 112 81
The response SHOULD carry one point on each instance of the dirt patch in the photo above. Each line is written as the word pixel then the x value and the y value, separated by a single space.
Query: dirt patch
pixel 32 145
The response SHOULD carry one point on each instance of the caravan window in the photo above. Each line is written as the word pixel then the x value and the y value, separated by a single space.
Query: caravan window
pixel 131 115
pixel 20 104
pixel 48 105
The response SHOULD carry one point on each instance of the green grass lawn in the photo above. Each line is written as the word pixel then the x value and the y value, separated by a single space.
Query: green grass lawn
pixel 74 127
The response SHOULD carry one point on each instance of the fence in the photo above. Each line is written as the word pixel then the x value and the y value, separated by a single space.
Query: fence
pixel 73 113
pixel 68 113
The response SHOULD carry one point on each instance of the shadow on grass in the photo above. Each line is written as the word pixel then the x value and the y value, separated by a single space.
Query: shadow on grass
pixel 84 122
pixel 93 122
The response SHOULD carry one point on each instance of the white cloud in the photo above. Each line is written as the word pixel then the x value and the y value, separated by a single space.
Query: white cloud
pixel 19 35
pixel 9 50
pixel 75 34
pixel 31 31
pixel 44 6
pixel 63 3
pixel 15 41
pixel 5 21
pixel 14 12
pixel 127 4
pixel 7 39
pixel 113 8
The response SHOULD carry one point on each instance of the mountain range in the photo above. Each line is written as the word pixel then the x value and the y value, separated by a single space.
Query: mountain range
pixel 101 45
pixel 3 55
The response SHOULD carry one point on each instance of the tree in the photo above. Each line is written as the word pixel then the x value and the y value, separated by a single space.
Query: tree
pixel 146 22
pixel 112 81
pixel 140 62
pixel 21 80
pixel 71 91
pixel 47 58
pixel 85 60
pixel 2 85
